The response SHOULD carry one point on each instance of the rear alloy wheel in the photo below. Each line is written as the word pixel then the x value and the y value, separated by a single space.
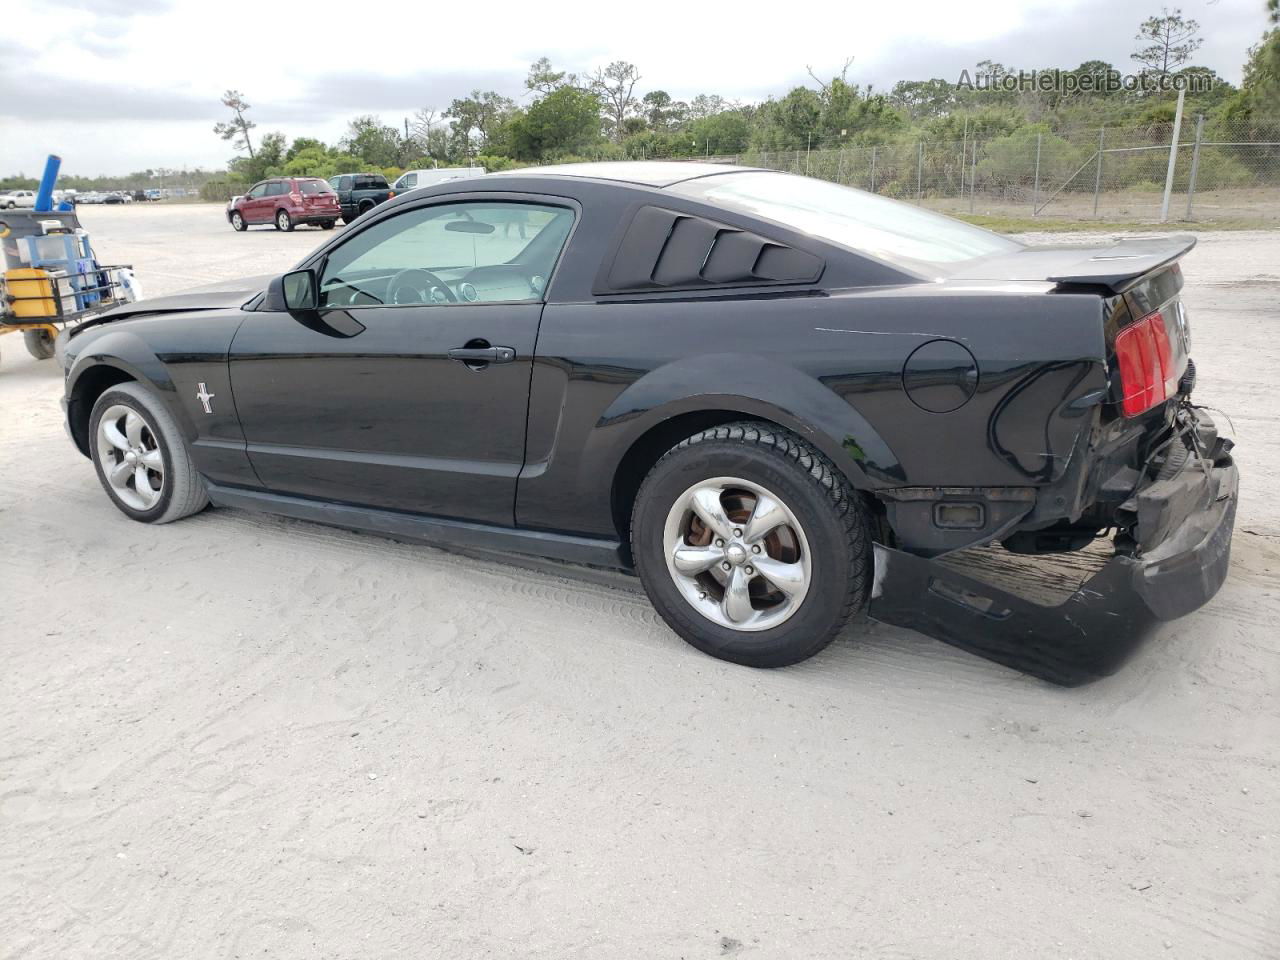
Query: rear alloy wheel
pixel 284 222
pixel 751 545
pixel 237 221
pixel 39 343
pixel 141 456
pixel 737 553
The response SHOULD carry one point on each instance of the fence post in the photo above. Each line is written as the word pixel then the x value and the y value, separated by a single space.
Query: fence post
pixel 973 174
pixel 1035 191
pixel 1097 180
pixel 919 169
pixel 873 169
pixel 807 147
pixel 1195 163
pixel 840 167
pixel 1173 156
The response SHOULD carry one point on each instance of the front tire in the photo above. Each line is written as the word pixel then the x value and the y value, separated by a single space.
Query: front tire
pixel 141 457
pixel 39 343
pixel 237 222
pixel 751 545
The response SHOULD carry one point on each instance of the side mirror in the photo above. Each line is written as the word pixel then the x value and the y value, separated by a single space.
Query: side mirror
pixel 301 291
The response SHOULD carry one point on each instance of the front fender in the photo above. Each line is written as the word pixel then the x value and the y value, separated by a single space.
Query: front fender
pixel 128 353
pixel 754 386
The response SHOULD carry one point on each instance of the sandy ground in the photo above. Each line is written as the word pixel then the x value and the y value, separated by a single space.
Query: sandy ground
pixel 240 736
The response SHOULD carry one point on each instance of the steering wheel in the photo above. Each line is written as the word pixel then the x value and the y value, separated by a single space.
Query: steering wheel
pixel 423 285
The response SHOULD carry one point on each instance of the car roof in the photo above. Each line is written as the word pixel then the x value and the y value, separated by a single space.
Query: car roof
pixel 650 173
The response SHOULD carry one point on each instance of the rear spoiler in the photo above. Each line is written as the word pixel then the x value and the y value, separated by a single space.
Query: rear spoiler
pixel 1124 263
pixel 1116 266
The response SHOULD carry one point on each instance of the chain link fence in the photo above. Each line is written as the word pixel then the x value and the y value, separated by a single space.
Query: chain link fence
pixel 1221 172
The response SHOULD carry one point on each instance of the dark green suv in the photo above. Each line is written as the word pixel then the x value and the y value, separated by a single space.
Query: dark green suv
pixel 360 192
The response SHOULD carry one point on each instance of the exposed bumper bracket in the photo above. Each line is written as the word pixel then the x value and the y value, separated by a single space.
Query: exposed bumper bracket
pixel 1094 630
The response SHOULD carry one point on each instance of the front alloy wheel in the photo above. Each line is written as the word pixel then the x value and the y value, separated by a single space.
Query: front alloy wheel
pixel 141 456
pixel 132 462
pixel 237 221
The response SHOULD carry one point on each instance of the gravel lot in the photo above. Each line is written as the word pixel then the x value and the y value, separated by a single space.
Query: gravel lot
pixel 240 736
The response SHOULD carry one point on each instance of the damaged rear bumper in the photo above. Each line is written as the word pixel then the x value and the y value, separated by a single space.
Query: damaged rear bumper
pixel 1094 630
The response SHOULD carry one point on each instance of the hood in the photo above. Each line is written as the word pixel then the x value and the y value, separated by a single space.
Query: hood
pixel 1117 266
pixel 223 295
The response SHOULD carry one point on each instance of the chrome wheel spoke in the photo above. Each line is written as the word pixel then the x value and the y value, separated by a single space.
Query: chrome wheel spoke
pixel 133 429
pixel 119 475
pixel 111 433
pixel 153 460
pixel 767 515
pixel 706 504
pixel 737 601
pixel 142 485
pixel 787 577
pixel 691 561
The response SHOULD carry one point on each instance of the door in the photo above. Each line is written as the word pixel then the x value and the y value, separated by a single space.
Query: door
pixel 251 207
pixel 272 200
pixel 342 187
pixel 408 389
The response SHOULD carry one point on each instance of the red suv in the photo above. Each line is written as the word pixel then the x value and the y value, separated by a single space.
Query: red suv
pixel 286 202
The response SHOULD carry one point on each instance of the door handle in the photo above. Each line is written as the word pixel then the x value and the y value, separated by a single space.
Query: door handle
pixel 482 355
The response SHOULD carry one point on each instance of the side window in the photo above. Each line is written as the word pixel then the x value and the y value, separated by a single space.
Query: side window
pixel 275 189
pixel 474 252
pixel 342 183
pixel 258 190
pixel 408 181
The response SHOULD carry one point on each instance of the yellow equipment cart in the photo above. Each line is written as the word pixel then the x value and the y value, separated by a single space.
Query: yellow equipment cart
pixel 50 277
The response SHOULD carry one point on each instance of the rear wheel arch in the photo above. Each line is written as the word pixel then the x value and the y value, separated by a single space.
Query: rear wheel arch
pixel 650 446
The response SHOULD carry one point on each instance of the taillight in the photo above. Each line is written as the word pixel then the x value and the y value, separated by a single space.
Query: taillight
pixel 1145 358
pixel 390 194
pixel 295 197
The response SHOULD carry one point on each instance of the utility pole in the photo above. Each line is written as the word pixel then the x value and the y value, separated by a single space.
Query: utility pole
pixel 1173 156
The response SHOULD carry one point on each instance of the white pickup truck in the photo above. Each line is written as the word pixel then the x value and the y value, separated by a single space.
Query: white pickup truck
pixel 17 198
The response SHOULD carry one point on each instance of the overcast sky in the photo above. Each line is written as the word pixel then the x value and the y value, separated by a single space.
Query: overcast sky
pixel 121 85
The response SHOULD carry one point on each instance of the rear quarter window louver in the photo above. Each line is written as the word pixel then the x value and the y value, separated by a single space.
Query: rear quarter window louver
pixel 663 249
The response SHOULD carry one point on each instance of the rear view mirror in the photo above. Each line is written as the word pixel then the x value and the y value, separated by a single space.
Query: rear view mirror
pixel 469 226
pixel 300 291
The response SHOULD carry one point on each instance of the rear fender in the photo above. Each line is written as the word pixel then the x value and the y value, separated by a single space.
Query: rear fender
pixel 755 387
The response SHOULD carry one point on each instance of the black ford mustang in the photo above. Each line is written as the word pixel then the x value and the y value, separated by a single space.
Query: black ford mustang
pixel 780 401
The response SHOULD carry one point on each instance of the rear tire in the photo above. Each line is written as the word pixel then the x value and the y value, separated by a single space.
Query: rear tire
pixel 237 222
pixel 143 464
pixel 284 222
pixel 328 224
pixel 39 343
pixel 785 593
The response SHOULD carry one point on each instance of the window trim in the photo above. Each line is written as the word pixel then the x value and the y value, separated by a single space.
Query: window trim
pixel 320 259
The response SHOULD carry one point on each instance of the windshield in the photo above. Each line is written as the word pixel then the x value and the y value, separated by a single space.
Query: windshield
pixel 861 221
